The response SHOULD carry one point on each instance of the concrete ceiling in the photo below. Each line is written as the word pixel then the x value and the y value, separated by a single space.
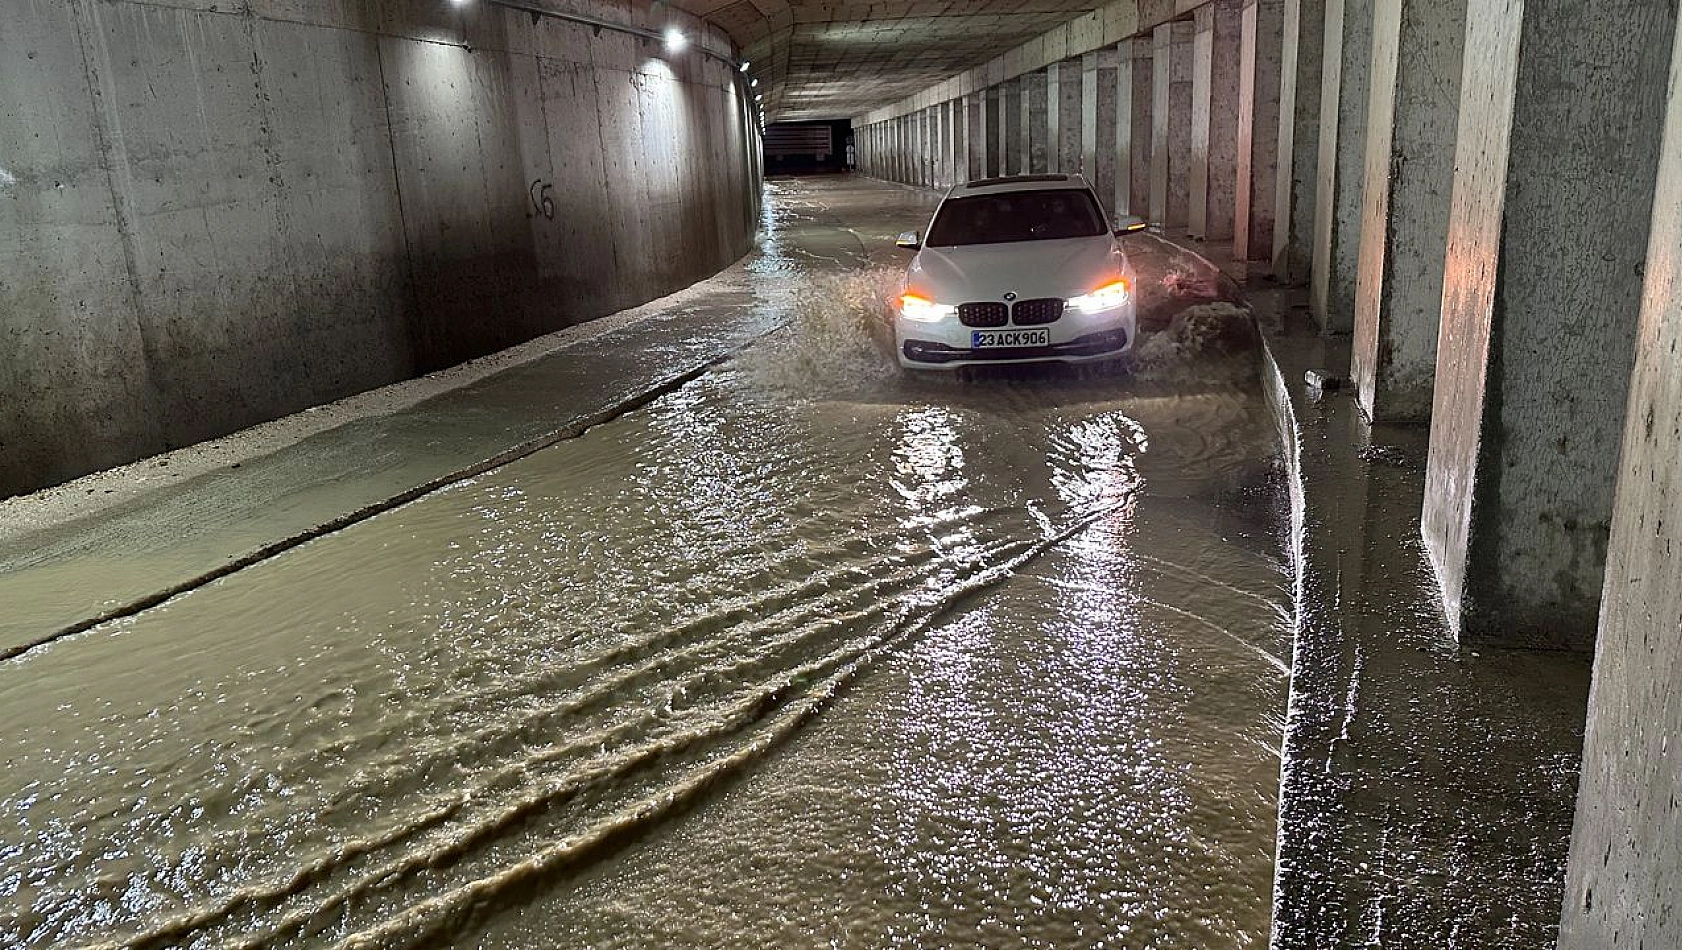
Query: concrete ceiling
pixel 836 60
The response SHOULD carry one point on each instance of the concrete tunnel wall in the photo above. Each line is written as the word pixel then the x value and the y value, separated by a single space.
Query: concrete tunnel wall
pixel 212 216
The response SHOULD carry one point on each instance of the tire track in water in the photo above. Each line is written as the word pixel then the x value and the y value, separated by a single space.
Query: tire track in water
pixel 755 717
pixel 437 915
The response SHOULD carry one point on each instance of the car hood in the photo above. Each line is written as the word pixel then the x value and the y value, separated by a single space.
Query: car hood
pixel 1028 269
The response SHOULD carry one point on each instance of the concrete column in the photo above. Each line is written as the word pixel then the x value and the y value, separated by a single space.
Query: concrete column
pixel 907 149
pixel 1171 51
pixel 1561 107
pixel 1120 144
pixel 1411 124
pixel 1302 43
pixel 1343 133
pixel 959 110
pixel 902 149
pixel 1013 142
pixel 1036 128
pixel 1098 139
pixel 975 133
pixel 992 114
pixel 1258 133
pixel 1140 158
pixel 885 134
pixel 958 155
pixel 1216 49
pixel 890 149
pixel 1625 871
pixel 940 157
pixel 1063 116
pixel 926 132
pixel 931 146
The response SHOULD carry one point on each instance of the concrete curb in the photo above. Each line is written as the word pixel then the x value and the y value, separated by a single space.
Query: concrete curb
pixel 572 430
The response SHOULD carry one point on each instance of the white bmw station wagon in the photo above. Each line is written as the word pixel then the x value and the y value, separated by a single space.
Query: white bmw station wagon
pixel 1016 270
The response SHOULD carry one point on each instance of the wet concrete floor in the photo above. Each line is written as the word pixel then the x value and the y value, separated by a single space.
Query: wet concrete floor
pixel 804 651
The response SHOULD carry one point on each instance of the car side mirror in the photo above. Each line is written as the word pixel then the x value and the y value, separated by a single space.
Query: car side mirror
pixel 909 241
pixel 1129 223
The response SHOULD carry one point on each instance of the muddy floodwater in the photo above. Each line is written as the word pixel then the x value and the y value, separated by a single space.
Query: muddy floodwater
pixel 807 652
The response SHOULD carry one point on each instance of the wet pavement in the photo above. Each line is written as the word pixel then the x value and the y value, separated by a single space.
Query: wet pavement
pixel 1428 788
pixel 732 635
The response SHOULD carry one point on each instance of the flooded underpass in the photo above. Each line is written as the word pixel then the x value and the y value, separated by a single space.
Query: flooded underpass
pixel 804 652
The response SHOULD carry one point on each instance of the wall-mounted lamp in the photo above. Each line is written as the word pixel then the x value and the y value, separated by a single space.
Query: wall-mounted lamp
pixel 676 42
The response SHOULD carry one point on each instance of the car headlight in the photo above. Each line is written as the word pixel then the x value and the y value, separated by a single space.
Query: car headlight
pixel 1108 297
pixel 924 310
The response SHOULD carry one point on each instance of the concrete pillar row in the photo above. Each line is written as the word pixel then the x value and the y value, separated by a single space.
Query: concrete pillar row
pixel 1624 873
pixel 1302 42
pixel 1407 192
pixel 1547 240
pixel 1260 69
pixel 1216 58
pixel 1098 140
pixel 1063 87
pixel 1137 55
pixel 1343 133
pixel 1036 127
pixel 1171 82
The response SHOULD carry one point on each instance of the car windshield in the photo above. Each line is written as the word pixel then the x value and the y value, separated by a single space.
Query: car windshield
pixel 1043 215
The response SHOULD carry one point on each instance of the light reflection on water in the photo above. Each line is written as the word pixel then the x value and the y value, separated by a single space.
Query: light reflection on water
pixel 772 662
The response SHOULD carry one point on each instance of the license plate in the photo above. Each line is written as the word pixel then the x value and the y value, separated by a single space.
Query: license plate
pixel 988 339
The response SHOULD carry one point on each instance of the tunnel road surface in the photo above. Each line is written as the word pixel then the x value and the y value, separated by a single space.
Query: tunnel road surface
pixel 804 652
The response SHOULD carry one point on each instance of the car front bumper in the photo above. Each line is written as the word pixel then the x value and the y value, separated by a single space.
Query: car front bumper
pixel 946 345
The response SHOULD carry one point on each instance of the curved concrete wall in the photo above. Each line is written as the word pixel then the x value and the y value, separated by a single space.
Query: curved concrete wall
pixel 212 215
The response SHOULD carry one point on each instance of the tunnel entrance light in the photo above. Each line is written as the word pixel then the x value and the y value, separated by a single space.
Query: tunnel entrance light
pixel 676 42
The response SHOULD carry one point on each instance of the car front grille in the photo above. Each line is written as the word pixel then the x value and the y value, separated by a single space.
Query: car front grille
pixel 983 314
pixel 1028 313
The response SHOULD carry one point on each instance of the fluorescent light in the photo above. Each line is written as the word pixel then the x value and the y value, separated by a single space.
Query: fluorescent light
pixel 745 65
pixel 675 40
pixel 754 83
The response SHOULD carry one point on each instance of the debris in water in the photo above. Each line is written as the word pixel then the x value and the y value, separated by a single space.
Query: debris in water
pixel 1319 379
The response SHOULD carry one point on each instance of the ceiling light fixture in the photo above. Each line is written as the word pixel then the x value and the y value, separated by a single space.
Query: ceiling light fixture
pixel 676 42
